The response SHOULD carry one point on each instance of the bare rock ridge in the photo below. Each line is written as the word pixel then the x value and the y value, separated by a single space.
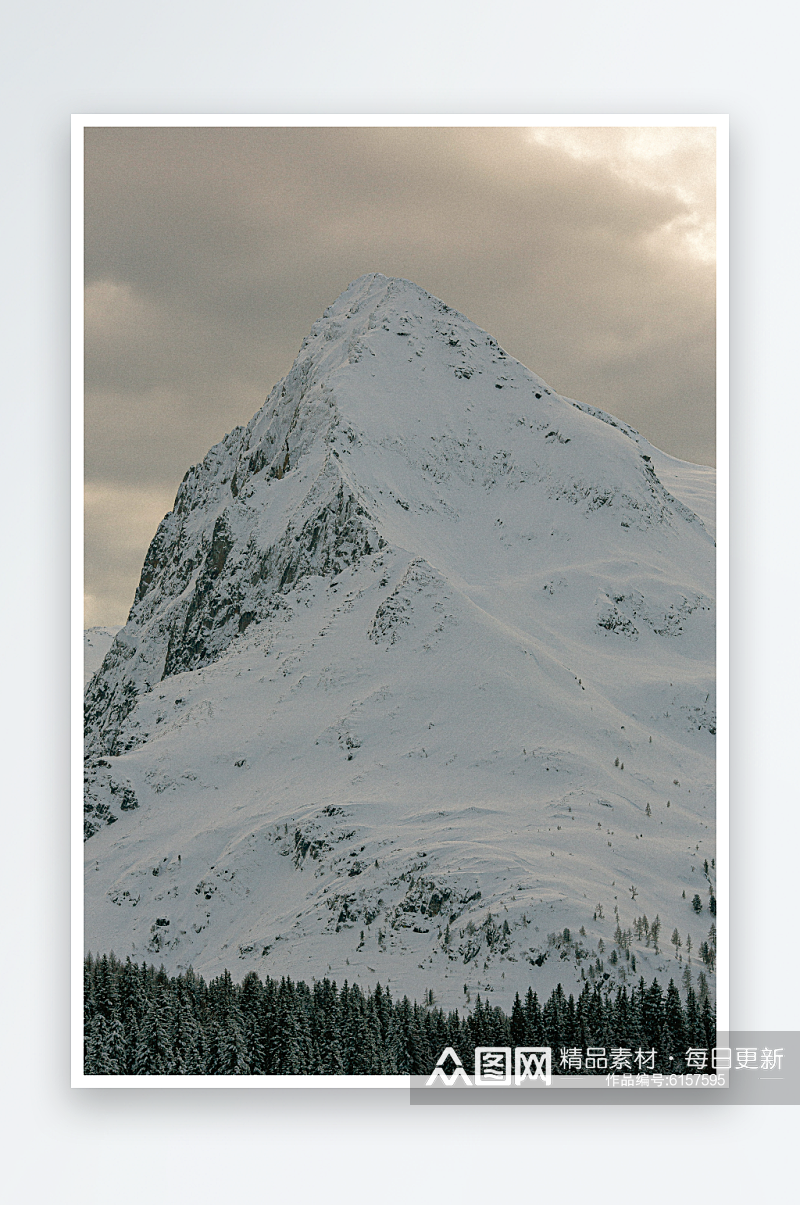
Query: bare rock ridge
pixel 419 600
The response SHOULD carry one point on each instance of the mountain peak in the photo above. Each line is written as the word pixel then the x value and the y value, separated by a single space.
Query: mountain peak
pixel 399 423
pixel 389 657
pixel 374 286
pixel 374 300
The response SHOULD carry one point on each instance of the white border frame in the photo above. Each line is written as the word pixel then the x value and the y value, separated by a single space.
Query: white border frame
pixel 79 123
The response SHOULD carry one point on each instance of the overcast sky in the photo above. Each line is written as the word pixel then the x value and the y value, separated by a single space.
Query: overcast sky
pixel 588 254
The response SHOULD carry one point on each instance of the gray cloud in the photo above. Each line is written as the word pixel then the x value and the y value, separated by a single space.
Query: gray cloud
pixel 209 253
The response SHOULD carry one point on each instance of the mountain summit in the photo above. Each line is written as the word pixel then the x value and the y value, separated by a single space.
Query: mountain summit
pixel 413 667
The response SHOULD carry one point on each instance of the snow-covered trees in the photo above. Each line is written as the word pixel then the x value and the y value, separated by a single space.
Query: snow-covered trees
pixel 140 1022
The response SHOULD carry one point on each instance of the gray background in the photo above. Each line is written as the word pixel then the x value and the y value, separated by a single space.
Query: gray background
pixel 618 57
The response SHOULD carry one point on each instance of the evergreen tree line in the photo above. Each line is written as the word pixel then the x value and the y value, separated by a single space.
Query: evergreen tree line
pixel 140 1021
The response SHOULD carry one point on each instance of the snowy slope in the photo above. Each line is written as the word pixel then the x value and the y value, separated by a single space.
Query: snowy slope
pixel 96 643
pixel 412 657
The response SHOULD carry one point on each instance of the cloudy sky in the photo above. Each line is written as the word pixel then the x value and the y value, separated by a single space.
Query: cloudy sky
pixel 588 254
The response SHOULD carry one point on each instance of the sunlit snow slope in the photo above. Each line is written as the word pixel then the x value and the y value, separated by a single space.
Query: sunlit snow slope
pixel 409 663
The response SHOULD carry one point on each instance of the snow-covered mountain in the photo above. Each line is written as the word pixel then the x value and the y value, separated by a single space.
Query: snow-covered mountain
pixel 419 672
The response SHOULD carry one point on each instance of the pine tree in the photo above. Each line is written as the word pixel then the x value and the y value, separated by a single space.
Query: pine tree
pixel 116 1048
pixel 105 987
pixel 292 1049
pixel 666 1051
pixel 423 1059
pixel 251 1005
pixel 534 1029
pixel 95 1048
pixel 652 1012
pixel 153 1054
pixel 674 1016
pixel 695 1033
pixel 398 1038
pixel 620 1019
pixel 686 980
pixel 553 1015
pixel 185 1037
pixel 518 1024
pixel 708 1022
pixel 359 1037
pixel 131 1043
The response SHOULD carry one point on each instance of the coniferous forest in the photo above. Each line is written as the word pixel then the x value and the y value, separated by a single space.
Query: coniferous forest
pixel 140 1021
